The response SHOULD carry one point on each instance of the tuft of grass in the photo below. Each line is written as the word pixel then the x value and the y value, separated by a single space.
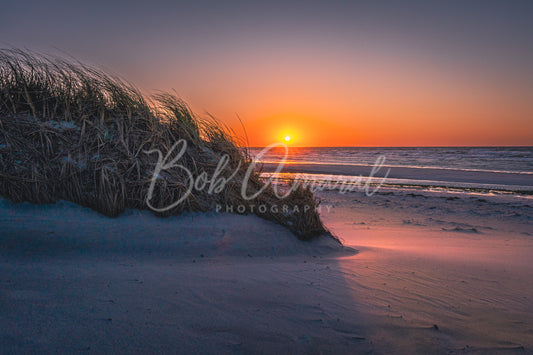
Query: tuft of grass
pixel 71 132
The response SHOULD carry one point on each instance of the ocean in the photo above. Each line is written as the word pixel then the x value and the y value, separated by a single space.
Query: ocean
pixel 480 169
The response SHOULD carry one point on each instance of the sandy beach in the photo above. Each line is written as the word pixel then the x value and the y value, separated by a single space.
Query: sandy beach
pixel 410 279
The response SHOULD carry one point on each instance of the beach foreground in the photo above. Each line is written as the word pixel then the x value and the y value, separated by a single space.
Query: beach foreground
pixel 453 279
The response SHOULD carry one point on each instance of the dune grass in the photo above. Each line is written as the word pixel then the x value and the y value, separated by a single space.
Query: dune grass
pixel 71 132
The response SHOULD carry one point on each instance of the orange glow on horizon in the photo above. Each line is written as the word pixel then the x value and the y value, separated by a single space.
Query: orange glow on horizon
pixel 383 101
pixel 401 127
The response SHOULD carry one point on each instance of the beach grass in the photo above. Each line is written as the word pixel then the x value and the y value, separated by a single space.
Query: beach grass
pixel 69 131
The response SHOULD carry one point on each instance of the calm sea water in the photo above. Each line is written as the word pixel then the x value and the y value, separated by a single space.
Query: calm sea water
pixel 499 168
pixel 508 159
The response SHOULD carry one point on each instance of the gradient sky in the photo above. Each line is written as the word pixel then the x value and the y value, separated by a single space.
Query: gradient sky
pixel 340 73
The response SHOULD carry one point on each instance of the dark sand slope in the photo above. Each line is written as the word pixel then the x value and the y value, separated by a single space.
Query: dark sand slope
pixel 73 280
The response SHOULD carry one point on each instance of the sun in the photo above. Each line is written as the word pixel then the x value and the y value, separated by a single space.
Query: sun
pixel 287 138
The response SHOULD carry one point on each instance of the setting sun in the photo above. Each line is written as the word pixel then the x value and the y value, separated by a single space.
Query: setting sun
pixel 287 138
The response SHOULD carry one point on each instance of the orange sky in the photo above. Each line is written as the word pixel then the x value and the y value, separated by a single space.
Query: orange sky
pixel 336 73
pixel 380 95
pixel 373 104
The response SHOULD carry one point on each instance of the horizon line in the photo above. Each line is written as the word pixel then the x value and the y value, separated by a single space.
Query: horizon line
pixel 402 146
